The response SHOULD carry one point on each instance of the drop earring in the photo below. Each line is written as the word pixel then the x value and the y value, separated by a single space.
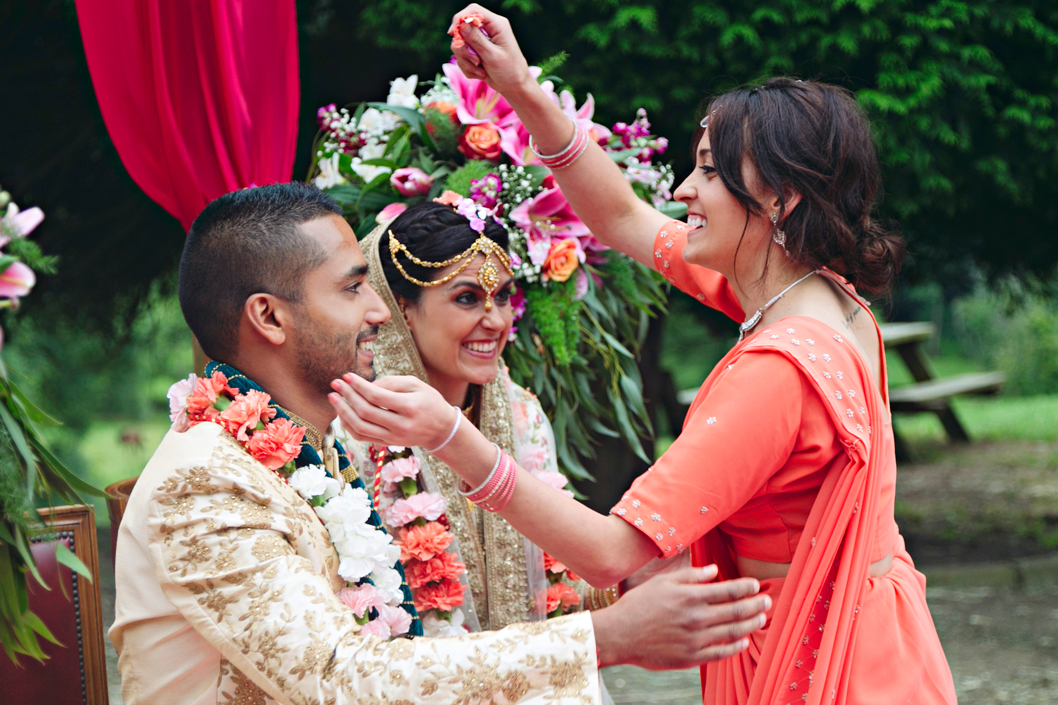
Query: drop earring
pixel 779 236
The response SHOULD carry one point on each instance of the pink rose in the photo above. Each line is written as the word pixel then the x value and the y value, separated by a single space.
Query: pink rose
pixel 361 599
pixel 376 628
pixel 554 479
pixel 396 470
pixel 411 181
pixel 276 444
pixel 390 212
pixel 395 618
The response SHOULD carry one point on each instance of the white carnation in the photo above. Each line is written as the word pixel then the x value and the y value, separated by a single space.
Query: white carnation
pixel 388 581
pixel 309 481
pixel 434 626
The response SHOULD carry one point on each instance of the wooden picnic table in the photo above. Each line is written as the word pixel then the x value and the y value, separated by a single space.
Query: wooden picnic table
pixel 929 393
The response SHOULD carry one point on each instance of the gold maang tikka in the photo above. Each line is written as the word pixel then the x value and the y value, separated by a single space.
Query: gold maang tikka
pixel 488 275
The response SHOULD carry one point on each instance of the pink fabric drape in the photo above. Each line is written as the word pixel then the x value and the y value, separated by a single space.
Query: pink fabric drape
pixel 200 97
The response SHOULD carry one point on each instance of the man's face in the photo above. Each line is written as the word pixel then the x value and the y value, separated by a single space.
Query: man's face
pixel 339 313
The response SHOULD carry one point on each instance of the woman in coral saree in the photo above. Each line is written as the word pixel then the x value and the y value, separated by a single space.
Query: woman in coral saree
pixel 785 469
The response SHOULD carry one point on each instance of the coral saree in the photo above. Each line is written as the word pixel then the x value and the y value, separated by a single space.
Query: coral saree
pixel 799 467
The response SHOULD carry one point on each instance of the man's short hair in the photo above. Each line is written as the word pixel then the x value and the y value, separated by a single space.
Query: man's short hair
pixel 244 243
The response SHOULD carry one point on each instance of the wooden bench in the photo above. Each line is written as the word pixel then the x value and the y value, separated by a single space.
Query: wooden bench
pixel 929 393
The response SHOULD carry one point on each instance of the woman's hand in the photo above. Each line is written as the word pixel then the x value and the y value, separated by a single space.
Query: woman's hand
pixel 676 621
pixel 496 58
pixel 392 411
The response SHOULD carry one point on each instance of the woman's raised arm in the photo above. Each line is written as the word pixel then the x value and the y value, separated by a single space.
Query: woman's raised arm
pixel 592 184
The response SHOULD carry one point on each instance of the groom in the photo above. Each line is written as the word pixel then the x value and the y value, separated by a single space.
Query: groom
pixel 227 582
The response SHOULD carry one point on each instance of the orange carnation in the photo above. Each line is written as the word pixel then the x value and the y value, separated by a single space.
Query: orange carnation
pixel 553 565
pixel 472 18
pixel 480 142
pixel 443 565
pixel 561 595
pixel 200 403
pixel 423 542
pixel 443 596
pixel 448 198
pixel 245 413
pixel 562 260
pixel 276 444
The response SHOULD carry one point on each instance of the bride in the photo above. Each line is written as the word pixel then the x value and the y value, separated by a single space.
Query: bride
pixel 447 282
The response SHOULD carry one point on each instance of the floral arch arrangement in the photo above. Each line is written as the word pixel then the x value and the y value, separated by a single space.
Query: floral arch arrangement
pixel 581 309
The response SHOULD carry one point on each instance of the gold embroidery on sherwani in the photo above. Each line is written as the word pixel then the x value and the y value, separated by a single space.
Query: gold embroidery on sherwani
pixel 492 549
pixel 257 584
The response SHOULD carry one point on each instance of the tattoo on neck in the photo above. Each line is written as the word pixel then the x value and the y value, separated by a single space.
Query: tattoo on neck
pixel 849 319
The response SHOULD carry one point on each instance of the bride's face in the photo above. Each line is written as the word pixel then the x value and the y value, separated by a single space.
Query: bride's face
pixel 459 341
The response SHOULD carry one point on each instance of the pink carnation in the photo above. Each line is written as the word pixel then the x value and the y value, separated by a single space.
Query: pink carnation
pixel 396 470
pixel 427 505
pixel 243 414
pixel 361 599
pixel 376 628
pixel 397 620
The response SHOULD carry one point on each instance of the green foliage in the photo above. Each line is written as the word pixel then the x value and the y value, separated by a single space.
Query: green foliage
pixel 961 92
pixel 459 180
pixel 1013 331
pixel 556 311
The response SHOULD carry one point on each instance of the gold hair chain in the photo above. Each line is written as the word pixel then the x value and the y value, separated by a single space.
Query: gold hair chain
pixel 488 275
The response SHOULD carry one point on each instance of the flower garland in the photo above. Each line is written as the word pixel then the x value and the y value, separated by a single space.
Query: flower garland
pixel 433 571
pixel 418 517
pixel 368 559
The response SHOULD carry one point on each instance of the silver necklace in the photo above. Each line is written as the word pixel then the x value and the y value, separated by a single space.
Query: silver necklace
pixel 755 318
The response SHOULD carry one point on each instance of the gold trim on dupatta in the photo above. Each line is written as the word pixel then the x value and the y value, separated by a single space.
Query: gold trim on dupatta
pixel 490 547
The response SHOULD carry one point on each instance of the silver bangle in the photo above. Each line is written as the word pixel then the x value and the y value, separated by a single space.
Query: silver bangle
pixel 564 152
pixel 495 467
pixel 452 433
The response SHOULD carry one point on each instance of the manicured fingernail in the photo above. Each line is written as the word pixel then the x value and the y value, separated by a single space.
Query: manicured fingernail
pixel 767 603
pixel 348 377
pixel 756 586
pixel 335 386
pixel 332 398
pixel 763 619
pixel 744 644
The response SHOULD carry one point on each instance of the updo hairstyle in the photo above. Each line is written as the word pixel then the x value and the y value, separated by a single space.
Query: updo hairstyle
pixel 433 232
pixel 813 139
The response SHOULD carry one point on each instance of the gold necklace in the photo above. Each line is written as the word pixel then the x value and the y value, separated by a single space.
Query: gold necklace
pixel 312 435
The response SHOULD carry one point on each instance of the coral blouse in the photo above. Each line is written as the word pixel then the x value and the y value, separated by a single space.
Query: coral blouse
pixel 787 455
pixel 756 445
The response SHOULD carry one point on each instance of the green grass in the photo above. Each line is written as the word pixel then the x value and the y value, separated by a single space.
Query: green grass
pixel 990 418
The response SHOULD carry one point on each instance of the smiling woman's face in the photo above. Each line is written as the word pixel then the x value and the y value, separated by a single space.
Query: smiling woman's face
pixel 720 222
pixel 459 341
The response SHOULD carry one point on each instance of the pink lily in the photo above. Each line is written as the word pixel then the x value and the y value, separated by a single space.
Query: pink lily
pixel 16 281
pixel 22 222
pixel 548 215
pixel 583 115
pixel 478 104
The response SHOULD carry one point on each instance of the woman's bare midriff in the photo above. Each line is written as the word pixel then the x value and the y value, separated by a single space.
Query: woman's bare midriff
pixel 764 570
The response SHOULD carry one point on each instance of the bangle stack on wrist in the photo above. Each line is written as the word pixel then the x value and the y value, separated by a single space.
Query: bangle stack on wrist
pixel 600 599
pixel 567 156
pixel 496 491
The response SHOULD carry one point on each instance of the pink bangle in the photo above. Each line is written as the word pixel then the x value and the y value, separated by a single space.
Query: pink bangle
pixel 506 491
pixel 580 144
pixel 493 485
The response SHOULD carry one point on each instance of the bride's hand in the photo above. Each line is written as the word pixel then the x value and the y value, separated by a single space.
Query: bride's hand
pixel 499 60
pixel 392 411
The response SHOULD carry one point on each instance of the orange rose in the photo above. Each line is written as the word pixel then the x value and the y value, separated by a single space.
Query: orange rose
pixel 445 108
pixel 423 542
pixel 276 444
pixel 562 260
pixel 443 565
pixel 480 142
pixel 561 595
pixel 443 596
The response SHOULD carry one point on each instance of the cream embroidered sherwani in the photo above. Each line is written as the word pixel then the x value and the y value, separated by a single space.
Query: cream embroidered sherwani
pixel 226 586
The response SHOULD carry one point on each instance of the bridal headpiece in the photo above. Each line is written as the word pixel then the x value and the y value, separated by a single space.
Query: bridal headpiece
pixel 488 275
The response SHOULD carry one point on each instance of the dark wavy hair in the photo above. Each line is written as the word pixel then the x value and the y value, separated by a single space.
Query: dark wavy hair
pixel 433 232
pixel 815 140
